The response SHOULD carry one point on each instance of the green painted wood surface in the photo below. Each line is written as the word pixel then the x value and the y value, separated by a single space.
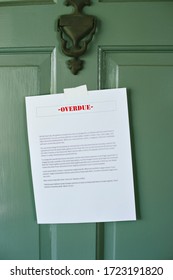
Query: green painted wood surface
pixel 25 2
pixel 24 29
pixel 16 203
pixel 147 73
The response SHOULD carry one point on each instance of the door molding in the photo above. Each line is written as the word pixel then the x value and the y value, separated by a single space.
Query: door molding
pixel 121 1
pixel 31 56
pixel 25 2
pixel 103 51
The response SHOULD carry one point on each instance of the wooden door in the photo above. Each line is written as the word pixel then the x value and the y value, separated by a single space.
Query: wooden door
pixel 133 48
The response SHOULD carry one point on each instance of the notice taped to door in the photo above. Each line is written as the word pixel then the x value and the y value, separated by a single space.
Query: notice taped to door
pixel 81 157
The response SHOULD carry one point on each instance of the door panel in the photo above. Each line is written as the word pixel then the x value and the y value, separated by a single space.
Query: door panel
pixel 132 48
pixel 147 73
pixel 75 241
pixel 19 234
pixel 16 196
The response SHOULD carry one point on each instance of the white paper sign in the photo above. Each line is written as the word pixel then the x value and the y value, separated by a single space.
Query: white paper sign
pixel 81 157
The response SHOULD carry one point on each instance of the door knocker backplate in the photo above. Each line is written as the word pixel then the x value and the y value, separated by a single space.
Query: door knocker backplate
pixel 76 32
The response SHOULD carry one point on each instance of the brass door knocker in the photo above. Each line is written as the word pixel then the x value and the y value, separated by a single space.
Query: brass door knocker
pixel 76 31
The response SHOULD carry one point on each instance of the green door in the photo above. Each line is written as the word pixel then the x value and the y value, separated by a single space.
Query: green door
pixel 133 48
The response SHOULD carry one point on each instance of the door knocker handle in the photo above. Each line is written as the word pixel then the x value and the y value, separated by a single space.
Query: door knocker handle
pixel 76 32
